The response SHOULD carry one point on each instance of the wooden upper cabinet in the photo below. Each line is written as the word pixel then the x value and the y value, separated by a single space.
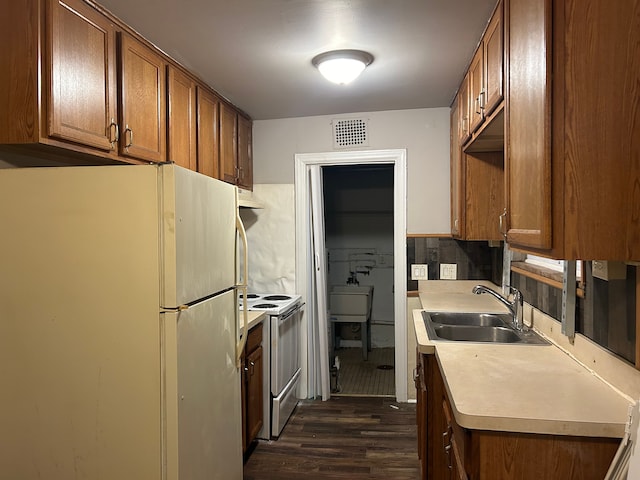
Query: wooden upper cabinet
pixel 455 176
pixel 486 72
pixel 82 102
pixel 142 101
pixel 476 90
pixel 181 119
pixel 493 62
pixel 572 110
pixel 58 73
pixel 245 153
pixel 528 138
pixel 208 138
pixel 464 131
pixel 228 143
pixel 477 186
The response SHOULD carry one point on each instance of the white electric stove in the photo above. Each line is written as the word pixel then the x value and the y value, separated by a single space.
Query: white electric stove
pixel 281 346
pixel 272 303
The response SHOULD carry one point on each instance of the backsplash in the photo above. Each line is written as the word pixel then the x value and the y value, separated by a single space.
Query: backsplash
pixel 607 314
pixel 475 260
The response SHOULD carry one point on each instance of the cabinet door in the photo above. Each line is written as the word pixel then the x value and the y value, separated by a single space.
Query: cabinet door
pixel 182 119
pixel 438 433
pixel 476 93
pixel 455 171
pixel 493 62
pixel 82 102
pixel 421 413
pixel 245 153
pixel 463 111
pixel 528 119
pixel 208 140
pixel 243 397
pixel 142 102
pixel 483 194
pixel 228 143
pixel 255 410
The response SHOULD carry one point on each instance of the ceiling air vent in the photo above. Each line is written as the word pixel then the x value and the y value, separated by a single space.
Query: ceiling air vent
pixel 350 132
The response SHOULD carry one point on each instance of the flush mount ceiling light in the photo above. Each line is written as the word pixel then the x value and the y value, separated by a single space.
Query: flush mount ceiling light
pixel 342 66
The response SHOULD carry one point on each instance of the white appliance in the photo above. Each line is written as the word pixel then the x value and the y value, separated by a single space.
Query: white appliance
pixel 119 339
pixel 282 371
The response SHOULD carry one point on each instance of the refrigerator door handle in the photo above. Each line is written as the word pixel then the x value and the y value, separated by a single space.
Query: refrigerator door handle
pixel 243 286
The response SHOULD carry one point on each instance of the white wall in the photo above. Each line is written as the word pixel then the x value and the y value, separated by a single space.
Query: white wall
pixel 423 132
pixel 271 239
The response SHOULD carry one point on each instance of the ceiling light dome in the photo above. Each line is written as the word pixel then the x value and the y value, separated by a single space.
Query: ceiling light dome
pixel 342 66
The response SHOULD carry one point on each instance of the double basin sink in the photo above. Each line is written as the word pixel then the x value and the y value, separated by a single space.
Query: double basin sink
pixel 477 327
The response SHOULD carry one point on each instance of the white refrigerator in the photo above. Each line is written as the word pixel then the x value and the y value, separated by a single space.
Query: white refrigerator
pixel 119 335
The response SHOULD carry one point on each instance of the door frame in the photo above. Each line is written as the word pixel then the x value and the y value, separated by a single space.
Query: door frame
pixel 398 158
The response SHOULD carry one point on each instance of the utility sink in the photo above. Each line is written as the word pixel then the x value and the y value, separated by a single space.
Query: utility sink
pixel 477 327
pixel 350 300
pixel 352 304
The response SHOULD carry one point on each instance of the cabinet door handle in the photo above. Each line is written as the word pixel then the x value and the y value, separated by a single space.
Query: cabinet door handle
pixel 130 142
pixel 252 369
pixel 503 223
pixel 114 133
pixel 482 100
pixel 445 439
pixel 476 103
pixel 447 452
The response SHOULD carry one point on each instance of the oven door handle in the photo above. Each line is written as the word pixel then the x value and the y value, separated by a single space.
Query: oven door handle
pixel 289 314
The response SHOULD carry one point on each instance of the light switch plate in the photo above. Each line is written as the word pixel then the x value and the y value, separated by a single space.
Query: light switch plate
pixel 448 271
pixel 419 272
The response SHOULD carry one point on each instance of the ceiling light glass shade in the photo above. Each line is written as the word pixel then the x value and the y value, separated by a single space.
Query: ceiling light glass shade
pixel 342 66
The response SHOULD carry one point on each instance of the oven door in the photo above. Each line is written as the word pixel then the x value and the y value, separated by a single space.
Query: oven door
pixel 285 342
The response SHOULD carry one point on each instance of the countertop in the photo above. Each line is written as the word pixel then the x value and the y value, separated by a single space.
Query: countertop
pixel 516 388
pixel 253 318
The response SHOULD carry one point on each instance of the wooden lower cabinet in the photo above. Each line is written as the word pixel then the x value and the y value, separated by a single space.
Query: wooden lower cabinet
pixel 421 411
pixel 456 453
pixel 252 392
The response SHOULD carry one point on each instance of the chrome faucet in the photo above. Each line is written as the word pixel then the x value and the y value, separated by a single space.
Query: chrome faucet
pixel 515 306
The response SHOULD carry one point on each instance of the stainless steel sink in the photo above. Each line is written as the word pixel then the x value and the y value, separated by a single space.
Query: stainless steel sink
pixel 477 327
pixel 465 333
pixel 477 319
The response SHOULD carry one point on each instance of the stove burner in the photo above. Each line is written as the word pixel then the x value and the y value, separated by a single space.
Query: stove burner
pixel 277 297
pixel 265 305
pixel 250 295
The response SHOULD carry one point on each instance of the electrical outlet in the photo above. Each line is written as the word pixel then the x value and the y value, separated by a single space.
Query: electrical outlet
pixel 419 272
pixel 448 271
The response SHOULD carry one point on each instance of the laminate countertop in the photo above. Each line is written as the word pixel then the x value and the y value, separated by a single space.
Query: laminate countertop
pixel 517 388
pixel 253 318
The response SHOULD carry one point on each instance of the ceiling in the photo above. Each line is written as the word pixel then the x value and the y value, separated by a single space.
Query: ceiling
pixel 257 53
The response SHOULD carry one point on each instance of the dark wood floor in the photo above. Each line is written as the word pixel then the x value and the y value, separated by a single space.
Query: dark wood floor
pixel 343 438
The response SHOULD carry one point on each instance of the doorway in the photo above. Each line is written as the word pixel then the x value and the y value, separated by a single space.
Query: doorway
pixel 358 214
pixel 310 263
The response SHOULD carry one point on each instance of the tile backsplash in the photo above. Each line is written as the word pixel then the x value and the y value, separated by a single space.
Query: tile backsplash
pixel 475 260
pixel 606 314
